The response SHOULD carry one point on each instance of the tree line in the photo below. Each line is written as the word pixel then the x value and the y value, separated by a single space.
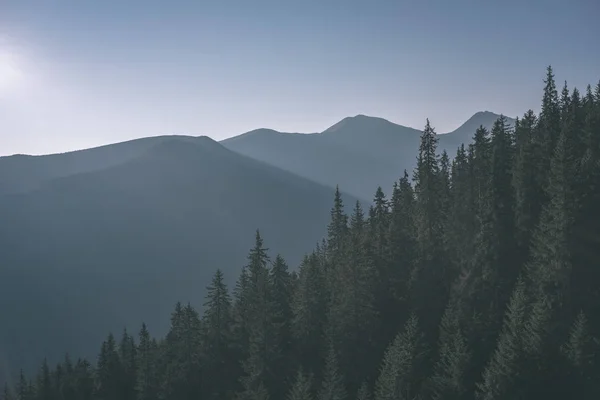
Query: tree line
pixel 478 278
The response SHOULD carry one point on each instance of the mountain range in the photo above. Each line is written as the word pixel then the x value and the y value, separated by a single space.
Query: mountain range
pixel 100 239
pixel 358 153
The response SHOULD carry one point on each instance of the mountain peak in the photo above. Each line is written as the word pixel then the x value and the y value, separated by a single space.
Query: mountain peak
pixel 485 118
pixel 358 122
pixel 464 133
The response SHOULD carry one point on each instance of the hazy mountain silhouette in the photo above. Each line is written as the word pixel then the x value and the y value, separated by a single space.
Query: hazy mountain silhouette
pixel 358 153
pixel 21 173
pixel 91 252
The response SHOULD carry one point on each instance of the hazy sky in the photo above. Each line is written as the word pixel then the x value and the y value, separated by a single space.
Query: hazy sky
pixel 79 73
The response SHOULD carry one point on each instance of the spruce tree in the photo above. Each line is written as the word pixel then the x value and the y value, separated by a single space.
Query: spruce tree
pixel 550 115
pixel 432 275
pixel 67 384
pixel 445 169
pixel 84 378
pixel 127 354
pixel 461 224
pixel 44 388
pixel 108 371
pixel 564 103
pixel 241 314
pixel 220 363
pixel 280 281
pixel 393 294
pixel 263 349
pixel 479 161
pixel 309 313
pixel 352 315
pixel 503 377
pixel 378 230
pixel 332 386
pixel 22 388
pixel 302 387
pixel 182 355
pixel 580 347
pixel 450 379
pixel 146 357
pixel 338 225
pixel 401 372
pixel 527 186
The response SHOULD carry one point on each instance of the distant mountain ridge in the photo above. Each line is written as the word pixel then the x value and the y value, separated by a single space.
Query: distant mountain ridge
pixel 357 153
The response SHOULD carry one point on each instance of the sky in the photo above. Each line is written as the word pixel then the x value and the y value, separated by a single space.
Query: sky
pixel 81 73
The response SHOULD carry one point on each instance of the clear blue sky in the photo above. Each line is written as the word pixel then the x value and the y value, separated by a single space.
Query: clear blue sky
pixel 79 73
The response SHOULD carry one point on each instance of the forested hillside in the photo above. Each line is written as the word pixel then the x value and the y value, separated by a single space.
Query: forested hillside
pixel 109 248
pixel 476 278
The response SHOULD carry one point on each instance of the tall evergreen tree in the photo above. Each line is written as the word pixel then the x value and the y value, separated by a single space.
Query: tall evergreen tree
pixel 352 314
pixel 44 388
pixel 480 158
pixel 146 385
pixel 503 378
pixel 445 198
pixel 461 224
pixel 84 378
pixel 400 374
pixel 526 183
pixel 263 350
pixel 309 313
pixel 450 380
pixel 182 355
pixel 281 288
pixel 22 388
pixel 241 314
pixel 432 275
pixel 548 130
pixel 220 362
pixel 302 387
pixel 379 226
pixel 108 371
pixel 338 225
pixel 127 354
pixel 394 291
pixel 332 387
pixel 581 351
pixel 550 115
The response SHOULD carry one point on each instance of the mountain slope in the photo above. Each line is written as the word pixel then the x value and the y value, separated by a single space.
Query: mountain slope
pixel 358 153
pixel 87 253
pixel 22 173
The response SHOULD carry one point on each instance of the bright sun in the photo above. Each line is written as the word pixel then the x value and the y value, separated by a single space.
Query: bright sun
pixel 10 73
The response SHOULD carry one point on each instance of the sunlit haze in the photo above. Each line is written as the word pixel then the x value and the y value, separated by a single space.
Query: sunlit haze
pixel 76 74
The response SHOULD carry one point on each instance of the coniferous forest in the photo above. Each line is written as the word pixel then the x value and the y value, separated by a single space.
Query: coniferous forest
pixel 478 277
